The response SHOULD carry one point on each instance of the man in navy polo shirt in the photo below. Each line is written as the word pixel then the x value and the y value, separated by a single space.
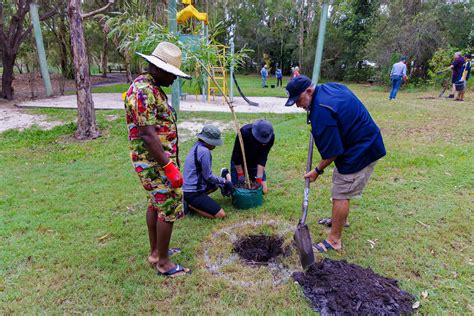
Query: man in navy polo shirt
pixel 343 132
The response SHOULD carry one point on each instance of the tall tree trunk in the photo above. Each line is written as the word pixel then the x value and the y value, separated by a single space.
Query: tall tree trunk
pixel 104 60
pixel 64 42
pixel 7 76
pixel 128 69
pixel 301 36
pixel 86 123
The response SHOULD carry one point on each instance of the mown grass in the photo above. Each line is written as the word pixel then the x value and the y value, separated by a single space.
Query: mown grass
pixel 72 216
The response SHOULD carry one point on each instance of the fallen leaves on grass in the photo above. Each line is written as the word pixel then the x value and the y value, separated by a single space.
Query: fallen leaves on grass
pixel 423 224
pixel 424 294
pixel 372 243
pixel 416 305
pixel 103 238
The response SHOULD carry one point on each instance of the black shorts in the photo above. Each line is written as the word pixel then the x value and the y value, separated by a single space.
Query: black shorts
pixel 202 202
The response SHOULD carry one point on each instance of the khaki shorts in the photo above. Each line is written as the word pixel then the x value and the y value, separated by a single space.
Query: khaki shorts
pixel 348 186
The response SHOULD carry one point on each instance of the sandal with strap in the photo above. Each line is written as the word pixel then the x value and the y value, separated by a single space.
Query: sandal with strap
pixel 174 272
pixel 323 247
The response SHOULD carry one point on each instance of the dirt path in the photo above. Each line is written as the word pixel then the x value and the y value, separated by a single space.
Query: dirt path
pixel 14 114
pixel 111 101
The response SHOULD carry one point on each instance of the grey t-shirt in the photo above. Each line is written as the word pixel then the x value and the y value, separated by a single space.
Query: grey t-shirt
pixel 194 182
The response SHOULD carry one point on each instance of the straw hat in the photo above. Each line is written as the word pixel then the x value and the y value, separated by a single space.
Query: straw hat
pixel 167 57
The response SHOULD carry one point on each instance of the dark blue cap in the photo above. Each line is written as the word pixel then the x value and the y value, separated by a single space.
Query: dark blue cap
pixel 262 130
pixel 295 87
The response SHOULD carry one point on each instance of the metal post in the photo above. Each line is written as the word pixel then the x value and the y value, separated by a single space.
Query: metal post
pixel 320 45
pixel 173 28
pixel 232 48
pixel 203 73
pixel 40 48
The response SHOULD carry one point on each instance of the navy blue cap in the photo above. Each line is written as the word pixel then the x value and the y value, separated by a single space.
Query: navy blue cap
pixel 295 87
pixel 262 130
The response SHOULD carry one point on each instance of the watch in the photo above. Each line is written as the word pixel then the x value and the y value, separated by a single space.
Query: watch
pixel 319 172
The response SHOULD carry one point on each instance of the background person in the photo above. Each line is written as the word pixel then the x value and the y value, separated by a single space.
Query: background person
pixel 345 134
pixel 279 76
pixel 296 72
pixel 466 74
pixel 264 75
pixel 258 139
pixel 398 73
pixel 456 67
pixel 199 181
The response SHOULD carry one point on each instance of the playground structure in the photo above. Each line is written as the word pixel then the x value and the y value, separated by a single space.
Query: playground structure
pixel 216 76
pixel 218 71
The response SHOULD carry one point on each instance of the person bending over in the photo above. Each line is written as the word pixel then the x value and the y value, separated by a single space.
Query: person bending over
pixel 258 139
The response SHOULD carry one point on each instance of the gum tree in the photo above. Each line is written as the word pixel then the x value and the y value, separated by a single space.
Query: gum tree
pixel 14 29
pixel 86 123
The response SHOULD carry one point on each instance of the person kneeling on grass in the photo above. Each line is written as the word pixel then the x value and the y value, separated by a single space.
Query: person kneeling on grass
pixel 199 181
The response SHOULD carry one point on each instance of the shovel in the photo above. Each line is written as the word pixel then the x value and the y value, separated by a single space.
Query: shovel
pixel 302 236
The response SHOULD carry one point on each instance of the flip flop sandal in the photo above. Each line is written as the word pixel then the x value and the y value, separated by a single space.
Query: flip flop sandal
pixel 324 248
pixel 328 222
pixel 171 273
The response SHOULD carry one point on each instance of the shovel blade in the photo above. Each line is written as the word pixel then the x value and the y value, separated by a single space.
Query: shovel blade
pixel 305 246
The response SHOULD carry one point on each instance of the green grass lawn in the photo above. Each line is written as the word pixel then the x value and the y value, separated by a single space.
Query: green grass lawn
pixel 73 237
pixel 250 85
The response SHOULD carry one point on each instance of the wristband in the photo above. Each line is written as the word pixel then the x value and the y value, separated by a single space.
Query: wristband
pixel 170 162
pixel 318 171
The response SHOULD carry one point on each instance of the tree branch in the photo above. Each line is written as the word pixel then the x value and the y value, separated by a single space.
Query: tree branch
pixel 28 30
pixel 92 13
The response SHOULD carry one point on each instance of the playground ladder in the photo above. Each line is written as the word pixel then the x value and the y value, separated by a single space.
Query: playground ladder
pixel 220 75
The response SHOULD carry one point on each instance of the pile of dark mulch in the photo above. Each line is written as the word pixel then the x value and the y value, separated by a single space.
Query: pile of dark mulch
pixel 258 249
pixel 342 288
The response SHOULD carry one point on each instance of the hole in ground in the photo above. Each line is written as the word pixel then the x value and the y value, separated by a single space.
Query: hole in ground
pixel 258 249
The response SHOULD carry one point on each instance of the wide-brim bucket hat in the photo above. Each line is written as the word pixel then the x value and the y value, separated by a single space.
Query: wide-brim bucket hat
pixel 167 57
pixel 211 135
pixel 262 131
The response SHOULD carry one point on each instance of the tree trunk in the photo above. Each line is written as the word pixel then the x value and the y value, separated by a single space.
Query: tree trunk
pixel 7 76
pixel 66 68
pixel 86 123
pixel 301 36
pixel 104 60
pixel 128 69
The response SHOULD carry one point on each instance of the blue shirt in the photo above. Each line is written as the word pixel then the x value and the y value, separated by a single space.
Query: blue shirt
pixel 342 127
pixel 264 73
pixel 467 67
pixel 278 73
pixel 399 69
pixel 193 181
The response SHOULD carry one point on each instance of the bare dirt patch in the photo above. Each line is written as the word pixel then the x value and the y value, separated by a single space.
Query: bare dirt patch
pixel 23 88
pixel 188 129
pixel 16 119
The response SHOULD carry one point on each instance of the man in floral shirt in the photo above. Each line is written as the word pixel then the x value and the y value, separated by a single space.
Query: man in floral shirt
pixel 153 137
